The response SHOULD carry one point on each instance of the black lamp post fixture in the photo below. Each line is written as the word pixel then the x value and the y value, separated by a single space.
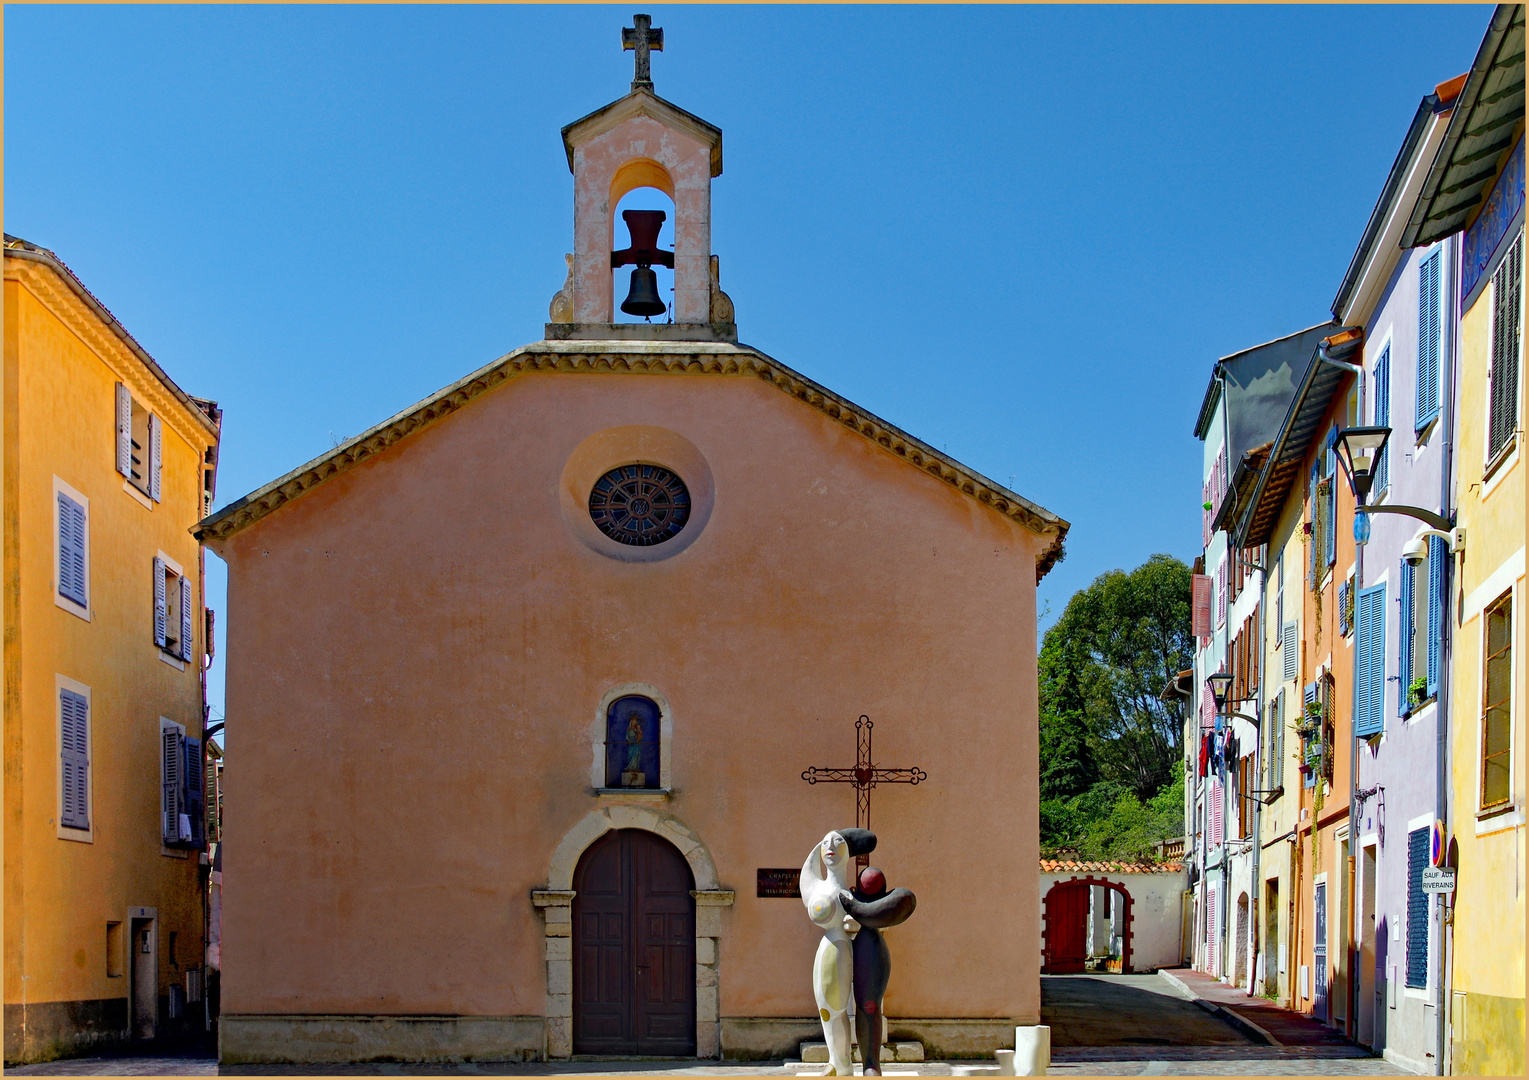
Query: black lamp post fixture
pixel 1358 450
pixel 1220 685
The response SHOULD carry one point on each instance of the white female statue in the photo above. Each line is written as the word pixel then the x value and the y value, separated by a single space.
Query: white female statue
pixel 823 884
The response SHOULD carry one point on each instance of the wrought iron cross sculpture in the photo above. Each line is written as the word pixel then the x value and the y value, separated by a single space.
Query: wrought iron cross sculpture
pixel 865 775
pixel 642 37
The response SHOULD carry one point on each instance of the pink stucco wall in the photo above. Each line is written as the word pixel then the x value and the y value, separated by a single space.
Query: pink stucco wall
pixel 418 647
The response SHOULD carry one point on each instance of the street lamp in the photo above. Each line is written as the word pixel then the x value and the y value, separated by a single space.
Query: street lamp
pixel 1220 683
pixel 1359 450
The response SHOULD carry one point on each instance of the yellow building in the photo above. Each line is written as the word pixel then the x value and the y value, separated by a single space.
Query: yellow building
pixel 106 465
pixel 1477 186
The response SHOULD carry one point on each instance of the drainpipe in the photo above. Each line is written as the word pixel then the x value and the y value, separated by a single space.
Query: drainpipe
pixel 1442 714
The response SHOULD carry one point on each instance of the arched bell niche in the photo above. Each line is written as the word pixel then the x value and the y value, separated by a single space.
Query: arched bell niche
pixel 642 185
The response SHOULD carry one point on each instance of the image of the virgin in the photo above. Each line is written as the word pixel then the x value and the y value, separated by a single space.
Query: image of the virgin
pixel 633 775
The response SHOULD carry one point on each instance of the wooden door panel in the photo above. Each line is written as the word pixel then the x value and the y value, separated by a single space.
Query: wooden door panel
pixel 634 948
pixel 1066 918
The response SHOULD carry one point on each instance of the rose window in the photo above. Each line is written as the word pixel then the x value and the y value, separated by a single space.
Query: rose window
pixel 640 505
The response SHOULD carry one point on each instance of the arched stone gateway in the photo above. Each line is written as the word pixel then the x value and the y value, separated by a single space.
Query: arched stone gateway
pixel 1064 911
pixel 672 842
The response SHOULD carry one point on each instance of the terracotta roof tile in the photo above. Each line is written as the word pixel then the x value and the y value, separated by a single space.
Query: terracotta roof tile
pixel 1068 866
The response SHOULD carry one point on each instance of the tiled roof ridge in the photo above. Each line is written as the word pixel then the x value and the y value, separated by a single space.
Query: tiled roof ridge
pixel 1053 866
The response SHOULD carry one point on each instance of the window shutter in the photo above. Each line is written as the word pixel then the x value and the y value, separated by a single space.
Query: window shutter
pixel 74 753
pixel 185 619
pixel 1330 541
pixel 156 453
pixel 1205 514
pixel 1417 908
pixel 161 606
pixel 1212 938
pixel 1291 658
pixel 1370 659
pixel 71 550
pixel 1200 606
pixel 1383 414
pixel 1207 708
pixel 170 783
pixel 1404 650
pixel 124 431
pixel 1217 813
pixel 1503 409
pixel 1279 740
pixel 1438 574
pixel 1428 340
pixel 192 800
pixel 1343 622
pixel 1221 593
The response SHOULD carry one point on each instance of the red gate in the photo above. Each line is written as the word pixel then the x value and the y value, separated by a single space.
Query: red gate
pixel 1065 926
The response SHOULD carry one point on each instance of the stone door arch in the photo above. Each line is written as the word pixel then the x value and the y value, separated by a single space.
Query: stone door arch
pixel 556 905
pixel 1063 911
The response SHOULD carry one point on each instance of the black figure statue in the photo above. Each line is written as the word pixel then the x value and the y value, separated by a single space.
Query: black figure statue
pixel 875 908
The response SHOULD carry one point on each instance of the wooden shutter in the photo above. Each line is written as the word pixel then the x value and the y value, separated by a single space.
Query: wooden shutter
pixel 1438 575
pixel 71 550
pixel 161 603
pixel 1212 938
pixel 1217 813
pixel 1370 659
pixel 124 431
pixel 1221 593
pixel 1503 408
pixel 1200 590
pixel 156 455
pixel 185 642
pixel 1277 766
pixel 1417 908
pixel 192 789
pixel 1330 541
pixel 1205 505
pixel 1291 659
pixel 1429 325
pixel 74 754
pixel 170 784
pixel 1404 645
pixel 1383 414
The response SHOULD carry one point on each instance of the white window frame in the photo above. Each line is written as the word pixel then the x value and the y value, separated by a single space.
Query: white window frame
pixel 173 659
pixel 62 488
pixel 88 835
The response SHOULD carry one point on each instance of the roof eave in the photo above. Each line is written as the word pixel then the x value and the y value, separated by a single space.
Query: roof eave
pixel 643 103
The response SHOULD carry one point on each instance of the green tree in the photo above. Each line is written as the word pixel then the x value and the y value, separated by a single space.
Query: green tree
pixel 1102 666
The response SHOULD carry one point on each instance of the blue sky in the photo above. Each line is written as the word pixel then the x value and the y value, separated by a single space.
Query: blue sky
pixel 1021 234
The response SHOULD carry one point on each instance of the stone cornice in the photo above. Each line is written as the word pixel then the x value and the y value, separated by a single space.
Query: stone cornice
pixel 644 103
pixel 634 357
pixel 58 291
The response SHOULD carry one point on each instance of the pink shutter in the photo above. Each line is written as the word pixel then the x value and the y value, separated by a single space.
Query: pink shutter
pixel 1200 590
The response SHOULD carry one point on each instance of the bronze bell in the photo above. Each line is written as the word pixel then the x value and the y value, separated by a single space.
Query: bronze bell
pixel 643 297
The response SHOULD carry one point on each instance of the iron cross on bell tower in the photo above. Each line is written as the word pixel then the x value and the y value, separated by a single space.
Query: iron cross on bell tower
pixel 642 37
pixel 865 775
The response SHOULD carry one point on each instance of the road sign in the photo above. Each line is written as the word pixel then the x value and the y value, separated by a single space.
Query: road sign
pixel 1436 880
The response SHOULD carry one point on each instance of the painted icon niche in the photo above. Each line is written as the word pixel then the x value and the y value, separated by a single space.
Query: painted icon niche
pixel 631 743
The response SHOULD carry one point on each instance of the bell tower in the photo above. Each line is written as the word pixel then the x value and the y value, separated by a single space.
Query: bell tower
pixel 638 141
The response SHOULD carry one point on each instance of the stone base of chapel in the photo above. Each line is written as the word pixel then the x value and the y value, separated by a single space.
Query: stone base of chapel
pixel 758 1038
pixel 296 1040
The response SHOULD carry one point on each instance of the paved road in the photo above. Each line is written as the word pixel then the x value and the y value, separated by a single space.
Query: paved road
pixel 1101 1025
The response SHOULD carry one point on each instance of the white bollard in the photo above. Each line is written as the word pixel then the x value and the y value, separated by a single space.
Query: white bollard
pixel 1032 1051
pixel 1005 1062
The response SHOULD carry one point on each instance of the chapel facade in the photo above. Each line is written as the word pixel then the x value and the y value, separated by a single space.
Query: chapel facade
pixel 569 632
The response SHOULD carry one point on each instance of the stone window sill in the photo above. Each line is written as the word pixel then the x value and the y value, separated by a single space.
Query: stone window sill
pixel 619 794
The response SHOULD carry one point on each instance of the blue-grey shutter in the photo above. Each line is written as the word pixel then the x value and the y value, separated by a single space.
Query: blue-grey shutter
pixel 1417 908
pixel 192 771
pixel 1309 696
pixel 1291 658
pixel 156 454
pixel 1502 408
pixel 71 550
pixel 1370 659
pixel 74 763
pixel 161 603
pixel 1279 740
pixel 1383 415
pixel 171 768
pixel 1404 643
pixel 1438 573
pixel 1428 340
pixel 124 431
pixel 1343 613
pixel 185 642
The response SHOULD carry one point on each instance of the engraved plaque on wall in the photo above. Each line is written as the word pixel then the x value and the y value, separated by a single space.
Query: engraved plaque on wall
pixel 785 884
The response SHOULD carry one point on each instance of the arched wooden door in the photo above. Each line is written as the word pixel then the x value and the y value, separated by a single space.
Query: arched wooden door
pixel 633 948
